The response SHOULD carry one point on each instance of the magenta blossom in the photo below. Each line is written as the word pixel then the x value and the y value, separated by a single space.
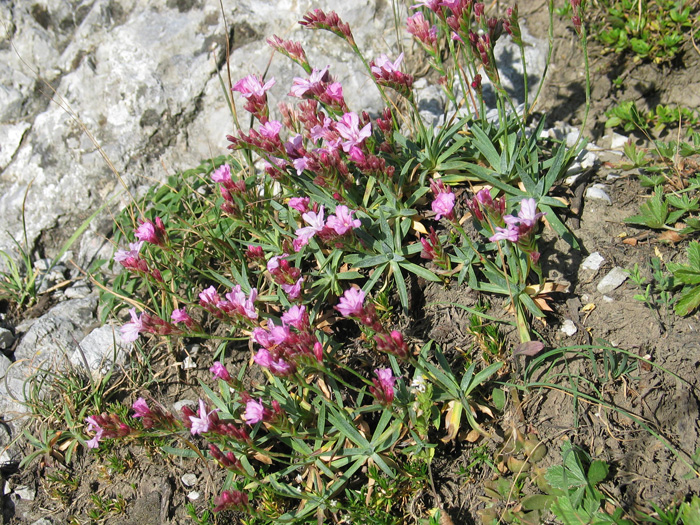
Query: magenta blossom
pixel 297 317
pixel 222 174
pixel 384 65
pixel 349 129
pixel 254 412
pixel 351 303
pixel 383 388
pixel 443 205
pixel 252 86
pixel 293 291
pixel 204 422
pixel 301 204
pixel 420 28
pixel 130 331
pixel 219 371
pixel 151 232
pixel 342 222
pixel 140 408
pixel 301 86
pixel 180 315
pixel 231 499
pixel 132 253
pixel 315 223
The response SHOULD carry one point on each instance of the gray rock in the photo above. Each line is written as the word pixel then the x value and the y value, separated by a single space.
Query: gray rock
pixel 101 349
pixel 189 479
pixel 612 280
pixel 11 389
pixel 597 192
pixel 24 492
pixel 568 327
pixel 6 338
pixel 592 262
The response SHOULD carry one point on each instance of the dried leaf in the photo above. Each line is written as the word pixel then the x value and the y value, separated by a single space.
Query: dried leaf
pixel 486 410
pixel 262 458
pixel 453 419
pixel 588 308
pixel 668 236
pixel 472 436
pixel 418 226
pixel 528 348
pixel 541 303
pixel 630 240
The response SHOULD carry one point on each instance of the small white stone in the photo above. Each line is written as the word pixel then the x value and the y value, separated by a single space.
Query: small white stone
pixel 617 141
pixel 568 327
pixel 597 191
pixel 193 496
pixel 188 363
pixel 608 299
pixel 613 280
pixel 593 261
pixel 189 480
pixel 25 493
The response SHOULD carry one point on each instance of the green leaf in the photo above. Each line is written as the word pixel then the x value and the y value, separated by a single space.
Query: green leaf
pixel 688 302
pixel 597 472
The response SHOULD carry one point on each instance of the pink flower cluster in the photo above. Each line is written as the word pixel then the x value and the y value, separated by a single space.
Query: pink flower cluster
pixel 152 232
pixel 231 500
pixel 330 231
pixel 318 19
pixel 519 229
pixel 206 421
pixel 287 276
pixel 387 73
pixel 383 388
pixel 487 210
pixel 320 86
pixel 235 305
pixel 228 188
pixel 421 29
pixel 228 460
pixel 255 412
pixel 154 417
pixel 444 202
pixel 105 426
pixel 255 93
pixel 131 260
pixel 352 304
pixel 146 323
pixel 293 50
pixel 286 346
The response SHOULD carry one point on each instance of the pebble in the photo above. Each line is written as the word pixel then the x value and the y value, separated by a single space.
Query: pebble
pixel 188 363
pixel 192 496
pixel 597 191
pixel 189 480
pixel 593 261
pixel 25 493
pixel 612 280
pixel 6 338
pixel 568 327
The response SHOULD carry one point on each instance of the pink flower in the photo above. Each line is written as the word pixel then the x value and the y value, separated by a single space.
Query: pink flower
pixel 130 331
pixel 209 297
pixel 94 426
pixel 271 130
pixel 301 86
pixel 180 315
pixel 392 343
pixel 203 423
pixel 349 129
pixel 420 28
pixel 342 222
pixel 140 408
pixel 238 303
pixel 297 317
pixel 315 223
pixel 528 213
pixel 219 371
pixel 510 233
pixel 132 253
pixel 254 412
pixel 384 65
pixel 443 205
pixel 293 291
pixel 301 204
pixel 351 303
pixel 151 232
pixel 222 174
pixel 231 499
pixel 252 86
pixel 383 388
